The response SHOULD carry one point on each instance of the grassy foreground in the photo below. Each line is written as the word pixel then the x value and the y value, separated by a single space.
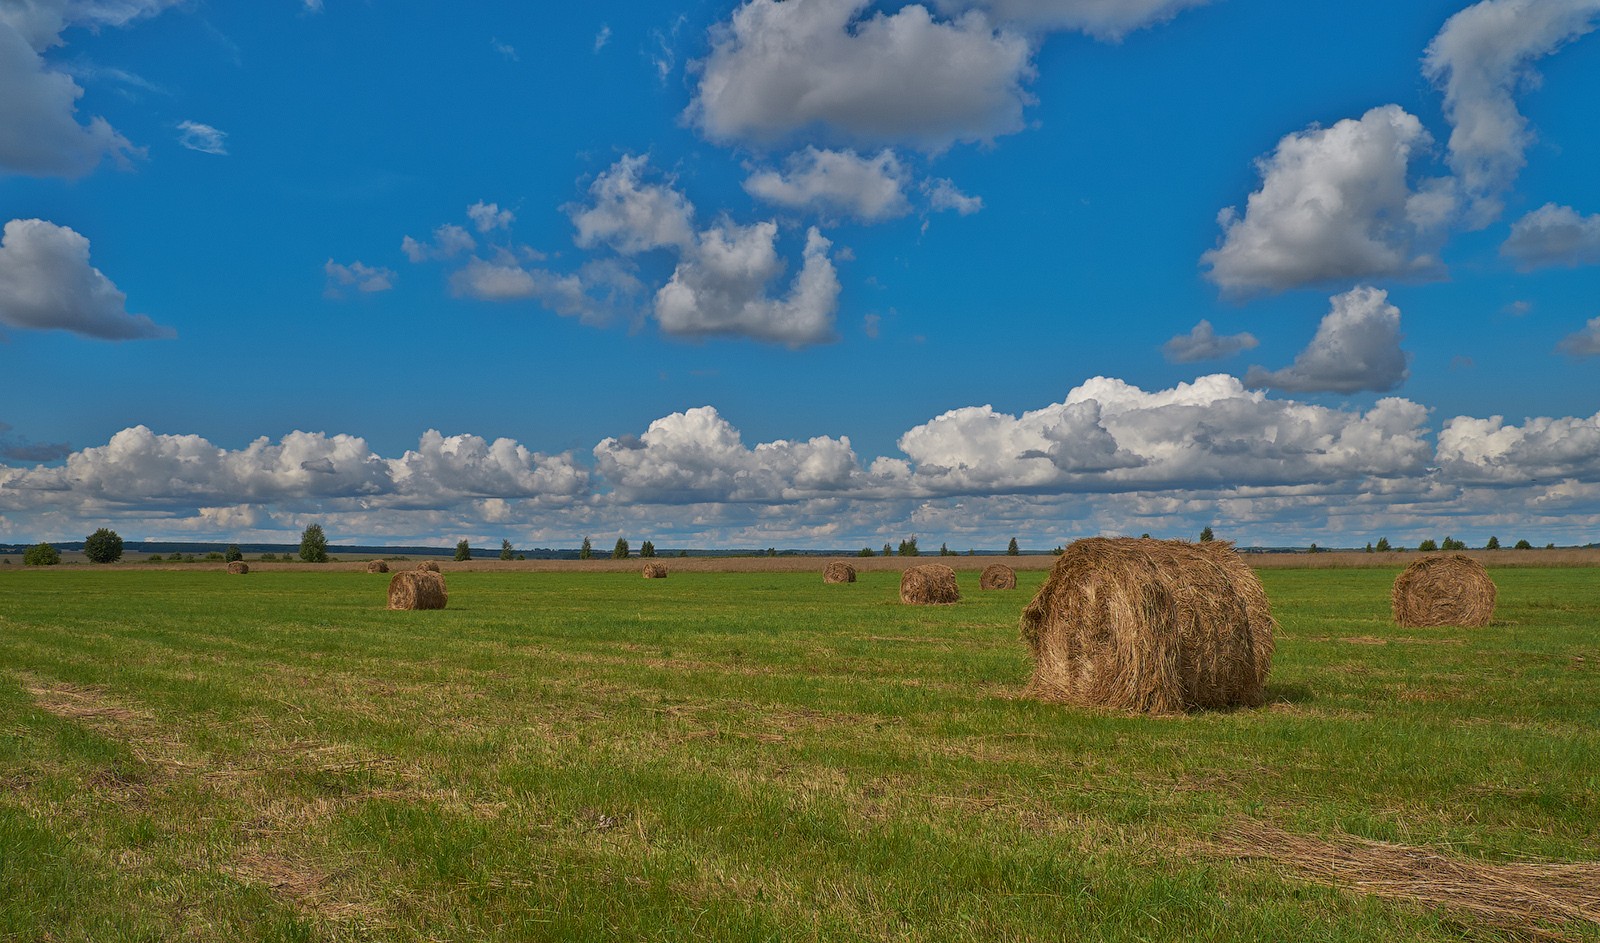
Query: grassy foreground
pixel 757 756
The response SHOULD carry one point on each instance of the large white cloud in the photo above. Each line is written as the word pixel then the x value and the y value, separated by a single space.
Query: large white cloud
pixel 1357 347
pixel 1111 436
pixel 1489 450
pixel 869 77
pixel 46 282
pixel 1480 58
pixel 841 183
pixel 1553 235
pixel 1104 19
pixel 1335 204
pixel 720 288
pixel 40 134
pixel 630 214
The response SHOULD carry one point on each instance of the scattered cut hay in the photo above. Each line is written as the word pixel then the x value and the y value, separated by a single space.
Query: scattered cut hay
pixel 238 567
pixel 1518 897
pixel 839 572
pixel 998 576
pixel 417 589
pixel 377 566
pixel 428 565
pixel 931 584
pixel 1158 626
pixel 655 571
pixel 1443 589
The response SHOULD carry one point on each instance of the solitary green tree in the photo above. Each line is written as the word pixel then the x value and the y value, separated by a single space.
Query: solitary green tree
pixel 866 552
pixel 233 553
pixel 945 551
pixel 1382 545
pixel 1206 536
pixel 314 544
pixel 647 549
pixel 1011 548
pixel 1450 543
pixel 103 546
pixel 463 551
pixel 1369 546
pixel 1493 544
pixel 888 551
pixel 1522 545
pixel 908 548
pixel 586 551
pixel 41 555
pixel 620 551
pixel 1314 549
pixel 1428 546
pixel 506 553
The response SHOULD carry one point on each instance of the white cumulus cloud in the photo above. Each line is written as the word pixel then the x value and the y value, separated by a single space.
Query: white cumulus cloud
pixel 46 282
pixel 488 217
pixel 448 242
pixel 874 78
pixel 363 278
pixel 840 182
pixel 1582 343
pixel 1489 450
pixel 1553 235
pixel 1357 347
pixel 1335 204
pixel 1480 59
pixel 1204 343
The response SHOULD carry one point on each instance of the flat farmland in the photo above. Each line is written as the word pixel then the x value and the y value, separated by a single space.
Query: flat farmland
pixel 569 754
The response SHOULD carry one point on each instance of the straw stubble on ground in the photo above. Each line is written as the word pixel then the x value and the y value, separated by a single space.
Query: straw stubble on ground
pixel 753 756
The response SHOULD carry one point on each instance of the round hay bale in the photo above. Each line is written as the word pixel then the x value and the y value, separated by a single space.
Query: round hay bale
pixel 655 571
pixel 238 567
pixel 998 576
pixel 838 572
pixel 1158 626
pixel 377 566
pixel 1444 589
pixel 428 565
pixel 417 589
pixel 931 584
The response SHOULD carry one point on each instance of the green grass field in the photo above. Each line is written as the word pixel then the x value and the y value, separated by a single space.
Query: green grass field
pixel 757 756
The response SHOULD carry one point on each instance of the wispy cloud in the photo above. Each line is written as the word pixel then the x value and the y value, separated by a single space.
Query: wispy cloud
pixel 203 138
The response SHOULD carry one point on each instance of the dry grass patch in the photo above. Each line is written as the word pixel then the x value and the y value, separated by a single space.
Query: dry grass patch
pixel 1524 897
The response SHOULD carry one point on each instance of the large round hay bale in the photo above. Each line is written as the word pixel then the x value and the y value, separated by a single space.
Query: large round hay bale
pixel 377 566
pixel 238 567
pixel 1444 589
pixel 931 584
pixel 417 589
pixel 838 572
pixel 655 571
pixel 998 576
pixel 428 565
pixel 1158 626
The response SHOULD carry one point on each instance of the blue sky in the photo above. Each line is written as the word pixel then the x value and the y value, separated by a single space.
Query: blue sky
pixel 811 273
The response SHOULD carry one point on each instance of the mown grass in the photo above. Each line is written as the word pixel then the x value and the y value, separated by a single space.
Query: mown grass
pixel 751 756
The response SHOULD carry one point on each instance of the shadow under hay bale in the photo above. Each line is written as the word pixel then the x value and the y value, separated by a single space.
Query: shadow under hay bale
pixel 377 566
pixel 931 584
pixel 837 572
pixel 238 567
pixel 428 565
pixel 655 571
pixel 1444 589
pixel 417 589
pixel 998 576
pixel 1158 626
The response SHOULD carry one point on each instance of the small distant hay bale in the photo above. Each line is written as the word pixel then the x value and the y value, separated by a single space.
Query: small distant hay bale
pixel 838 572
pixel 417 589
pixel 238 567
pixel 998 576
pixel 1157 626
pixel 1443 589
pixel 428 565
pixel 377 566
pixel 655 571
pixel 931 584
